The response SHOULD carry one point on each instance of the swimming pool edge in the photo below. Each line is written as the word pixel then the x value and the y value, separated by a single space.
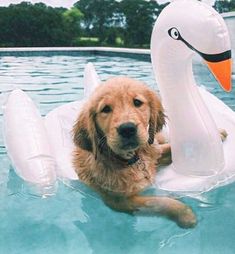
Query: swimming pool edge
pixel 143 54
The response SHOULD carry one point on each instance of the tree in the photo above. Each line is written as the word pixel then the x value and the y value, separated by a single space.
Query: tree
pixel 32 25
pixel 99 16
pixel 72 20
pixel 224 5
pixel 139 19
pixel 128 21
pixel 38 25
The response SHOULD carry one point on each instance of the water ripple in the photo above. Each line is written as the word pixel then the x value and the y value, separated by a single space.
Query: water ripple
pixel 55 102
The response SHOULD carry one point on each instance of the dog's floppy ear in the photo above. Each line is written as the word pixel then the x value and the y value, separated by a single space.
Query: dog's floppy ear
pixel 85 131
pixel 81 135
pixel 157 116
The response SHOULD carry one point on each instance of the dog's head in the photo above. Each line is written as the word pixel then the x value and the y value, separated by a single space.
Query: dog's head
pixel 122 115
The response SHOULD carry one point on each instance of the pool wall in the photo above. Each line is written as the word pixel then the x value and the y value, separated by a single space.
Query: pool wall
pixel 230 21
pixel 229 18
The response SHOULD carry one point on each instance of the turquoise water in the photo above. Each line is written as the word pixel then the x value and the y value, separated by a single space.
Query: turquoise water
pixel 76 220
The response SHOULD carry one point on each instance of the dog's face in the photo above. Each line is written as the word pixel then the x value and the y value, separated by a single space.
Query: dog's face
pixel 123 114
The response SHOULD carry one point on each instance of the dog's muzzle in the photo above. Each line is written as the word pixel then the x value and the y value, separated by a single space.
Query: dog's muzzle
pixel 128 135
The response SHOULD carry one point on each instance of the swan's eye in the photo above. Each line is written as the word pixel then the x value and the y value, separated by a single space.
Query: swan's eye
pixel 106 109
pixel 174 33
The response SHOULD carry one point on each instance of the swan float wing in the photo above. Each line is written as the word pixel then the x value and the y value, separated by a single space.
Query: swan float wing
pixel 41 149
pixel 59 123
pixel 27 144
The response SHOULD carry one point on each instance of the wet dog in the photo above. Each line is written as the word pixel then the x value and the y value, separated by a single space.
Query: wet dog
pixel 118 147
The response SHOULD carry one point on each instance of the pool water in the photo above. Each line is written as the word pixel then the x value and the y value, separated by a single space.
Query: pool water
pixel 76 220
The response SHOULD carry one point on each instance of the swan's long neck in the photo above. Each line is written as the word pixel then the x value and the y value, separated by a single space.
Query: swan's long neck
pixel 174 80
pixel 194 137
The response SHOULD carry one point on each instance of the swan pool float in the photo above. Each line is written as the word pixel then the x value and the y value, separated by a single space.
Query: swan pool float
pixel 41 148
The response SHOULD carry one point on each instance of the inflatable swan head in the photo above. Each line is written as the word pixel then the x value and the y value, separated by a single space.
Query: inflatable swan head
pixel 187 26
pixel 183 28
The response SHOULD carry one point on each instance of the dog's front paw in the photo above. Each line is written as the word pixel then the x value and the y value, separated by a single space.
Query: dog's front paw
pixel 165 158
pixel 186 218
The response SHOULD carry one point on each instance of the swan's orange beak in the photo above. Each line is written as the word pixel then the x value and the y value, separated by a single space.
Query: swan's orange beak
pixel 221 66
pixel 223 72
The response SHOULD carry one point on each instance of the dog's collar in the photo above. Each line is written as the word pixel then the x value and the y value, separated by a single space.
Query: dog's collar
pixel 133 160
pixel 128 162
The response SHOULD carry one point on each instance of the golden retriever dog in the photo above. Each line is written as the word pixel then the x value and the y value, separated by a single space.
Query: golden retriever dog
pixel 118 149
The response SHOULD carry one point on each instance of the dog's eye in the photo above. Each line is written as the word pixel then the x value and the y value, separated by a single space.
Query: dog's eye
pixel 106 109
pixel 137 103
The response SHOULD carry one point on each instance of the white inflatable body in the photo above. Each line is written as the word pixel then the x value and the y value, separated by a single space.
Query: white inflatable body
pixel 200 160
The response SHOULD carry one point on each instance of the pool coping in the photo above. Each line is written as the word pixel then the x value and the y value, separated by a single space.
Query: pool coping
pixel 227 15
pixel 142 54
pixel 100 49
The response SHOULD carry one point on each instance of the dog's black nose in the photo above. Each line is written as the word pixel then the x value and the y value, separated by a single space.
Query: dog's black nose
pixel 127 130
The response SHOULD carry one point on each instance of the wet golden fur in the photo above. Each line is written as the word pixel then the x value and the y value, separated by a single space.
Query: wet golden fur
pixel 102 156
